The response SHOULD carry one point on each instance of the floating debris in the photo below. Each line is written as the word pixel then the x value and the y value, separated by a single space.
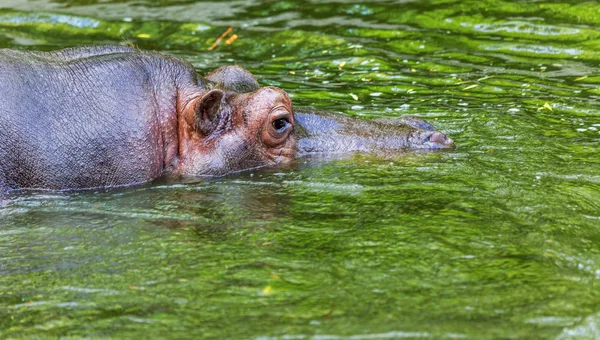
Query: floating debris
pixel 546 106
pixel 221 37
pixel 470 87
pixel 231 39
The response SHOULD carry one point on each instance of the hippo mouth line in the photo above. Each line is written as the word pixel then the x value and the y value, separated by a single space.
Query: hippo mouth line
pixel 283 155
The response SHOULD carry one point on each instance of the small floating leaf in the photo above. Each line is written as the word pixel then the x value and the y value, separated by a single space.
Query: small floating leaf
pixel 267 291
pixel 355 97
pixel 580 78
pixel 342 64
pixel 470 87
pixel 143 35
pixel 546 106
pixel 292 72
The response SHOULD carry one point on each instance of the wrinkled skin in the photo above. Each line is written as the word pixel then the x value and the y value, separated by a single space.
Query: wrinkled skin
pixel 112 116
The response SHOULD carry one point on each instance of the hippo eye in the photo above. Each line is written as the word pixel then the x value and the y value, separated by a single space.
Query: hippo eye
pixel 281 124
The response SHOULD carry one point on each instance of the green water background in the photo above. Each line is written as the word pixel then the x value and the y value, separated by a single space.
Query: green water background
pixel 499 238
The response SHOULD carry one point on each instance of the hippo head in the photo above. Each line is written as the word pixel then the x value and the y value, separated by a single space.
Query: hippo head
pixel 223 131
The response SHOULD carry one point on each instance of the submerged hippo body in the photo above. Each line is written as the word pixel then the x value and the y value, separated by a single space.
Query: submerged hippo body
pixel 111 116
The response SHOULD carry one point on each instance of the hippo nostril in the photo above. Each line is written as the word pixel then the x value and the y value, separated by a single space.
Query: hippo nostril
pixel 440 138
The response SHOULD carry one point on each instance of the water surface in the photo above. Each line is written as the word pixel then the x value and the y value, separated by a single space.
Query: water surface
pixel 498 238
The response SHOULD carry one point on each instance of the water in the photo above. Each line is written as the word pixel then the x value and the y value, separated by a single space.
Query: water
pixel 498 238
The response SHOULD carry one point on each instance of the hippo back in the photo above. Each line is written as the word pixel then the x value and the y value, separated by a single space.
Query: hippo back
pixel 77 120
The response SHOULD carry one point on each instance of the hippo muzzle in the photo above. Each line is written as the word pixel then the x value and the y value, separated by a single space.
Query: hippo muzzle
pixel 326 133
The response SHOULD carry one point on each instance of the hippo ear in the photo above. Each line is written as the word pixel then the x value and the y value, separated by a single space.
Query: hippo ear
pixel 233 79
pixel 206 112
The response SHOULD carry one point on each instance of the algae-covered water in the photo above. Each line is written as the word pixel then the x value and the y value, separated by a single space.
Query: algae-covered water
pixel 498 238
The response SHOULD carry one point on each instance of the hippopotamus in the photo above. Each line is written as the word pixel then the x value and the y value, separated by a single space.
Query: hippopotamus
pixel 112 116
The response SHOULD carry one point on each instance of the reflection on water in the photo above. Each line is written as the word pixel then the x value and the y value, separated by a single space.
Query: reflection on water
pixel 497 238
